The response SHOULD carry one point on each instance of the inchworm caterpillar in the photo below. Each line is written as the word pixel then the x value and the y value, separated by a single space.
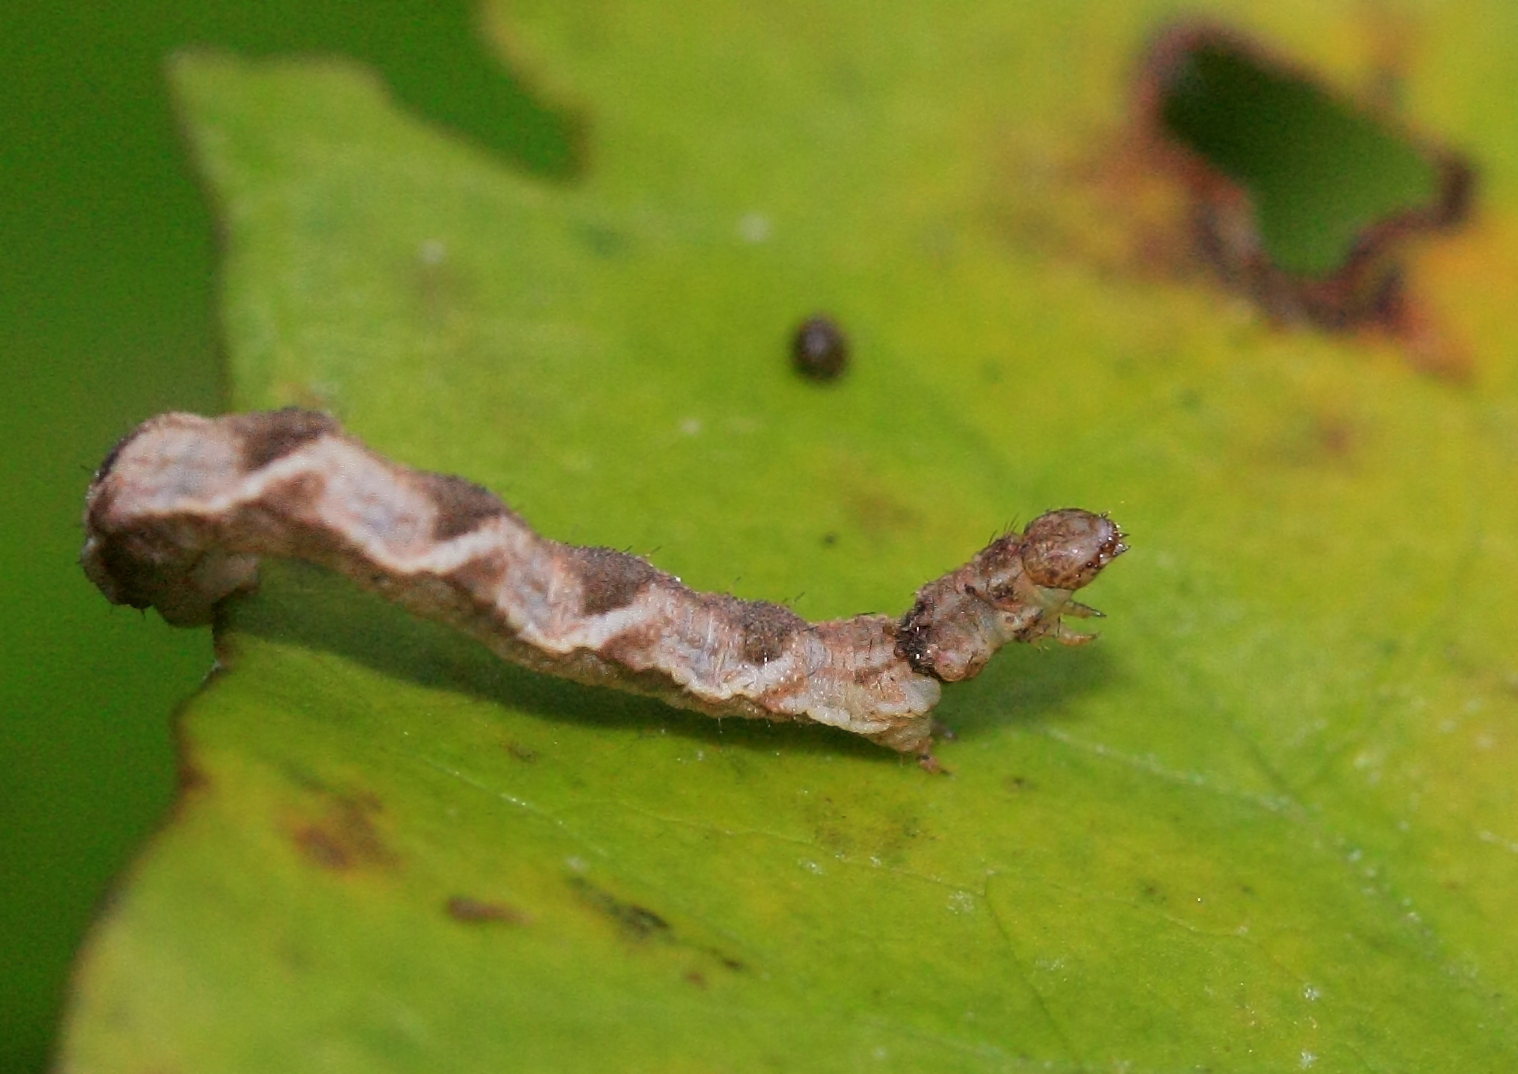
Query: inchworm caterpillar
pixel 180 511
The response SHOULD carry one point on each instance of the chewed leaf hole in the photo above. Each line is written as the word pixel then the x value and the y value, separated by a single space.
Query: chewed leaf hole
pixel 1296 197
pixel 1319 174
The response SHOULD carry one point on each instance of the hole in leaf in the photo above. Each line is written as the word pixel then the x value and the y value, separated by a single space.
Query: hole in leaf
pixel 1303 202
pixel 1319 174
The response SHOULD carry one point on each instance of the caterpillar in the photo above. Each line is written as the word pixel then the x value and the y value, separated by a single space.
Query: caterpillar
pixel 181 510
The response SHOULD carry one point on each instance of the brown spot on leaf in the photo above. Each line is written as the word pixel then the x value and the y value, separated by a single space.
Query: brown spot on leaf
pixel 610 579
pixel 1336 436
pixel 521 752
pixel 322 848
pixel 482 912
pixel 879 515
pixel 638 922
pixel 271 435
pixel 462 506
pixel 190 777
pixel 344 837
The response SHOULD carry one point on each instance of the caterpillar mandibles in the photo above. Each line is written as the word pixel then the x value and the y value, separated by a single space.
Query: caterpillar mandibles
pixel 179 513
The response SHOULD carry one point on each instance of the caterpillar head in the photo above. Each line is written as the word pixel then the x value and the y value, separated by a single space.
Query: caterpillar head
pixel 1067 549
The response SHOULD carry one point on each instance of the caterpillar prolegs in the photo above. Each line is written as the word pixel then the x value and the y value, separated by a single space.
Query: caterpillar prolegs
pixel 180 512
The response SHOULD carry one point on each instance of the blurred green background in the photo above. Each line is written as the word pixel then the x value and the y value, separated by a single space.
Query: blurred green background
pixel 107 292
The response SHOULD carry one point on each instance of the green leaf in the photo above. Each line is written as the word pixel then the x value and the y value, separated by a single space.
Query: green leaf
pixel 1266 823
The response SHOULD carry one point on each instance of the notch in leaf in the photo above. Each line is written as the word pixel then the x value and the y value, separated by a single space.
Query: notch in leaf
pixel 1298 199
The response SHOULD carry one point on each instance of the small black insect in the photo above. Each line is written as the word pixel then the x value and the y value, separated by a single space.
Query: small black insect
pixel 819 348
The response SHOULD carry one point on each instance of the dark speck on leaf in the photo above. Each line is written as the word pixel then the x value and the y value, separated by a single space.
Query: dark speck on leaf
pixel 479 911
pixel 820 349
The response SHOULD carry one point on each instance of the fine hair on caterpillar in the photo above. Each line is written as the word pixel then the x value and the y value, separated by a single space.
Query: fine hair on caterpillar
pixel 179 513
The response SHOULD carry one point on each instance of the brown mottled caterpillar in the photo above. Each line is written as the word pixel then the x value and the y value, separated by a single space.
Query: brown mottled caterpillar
pixel 180 511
